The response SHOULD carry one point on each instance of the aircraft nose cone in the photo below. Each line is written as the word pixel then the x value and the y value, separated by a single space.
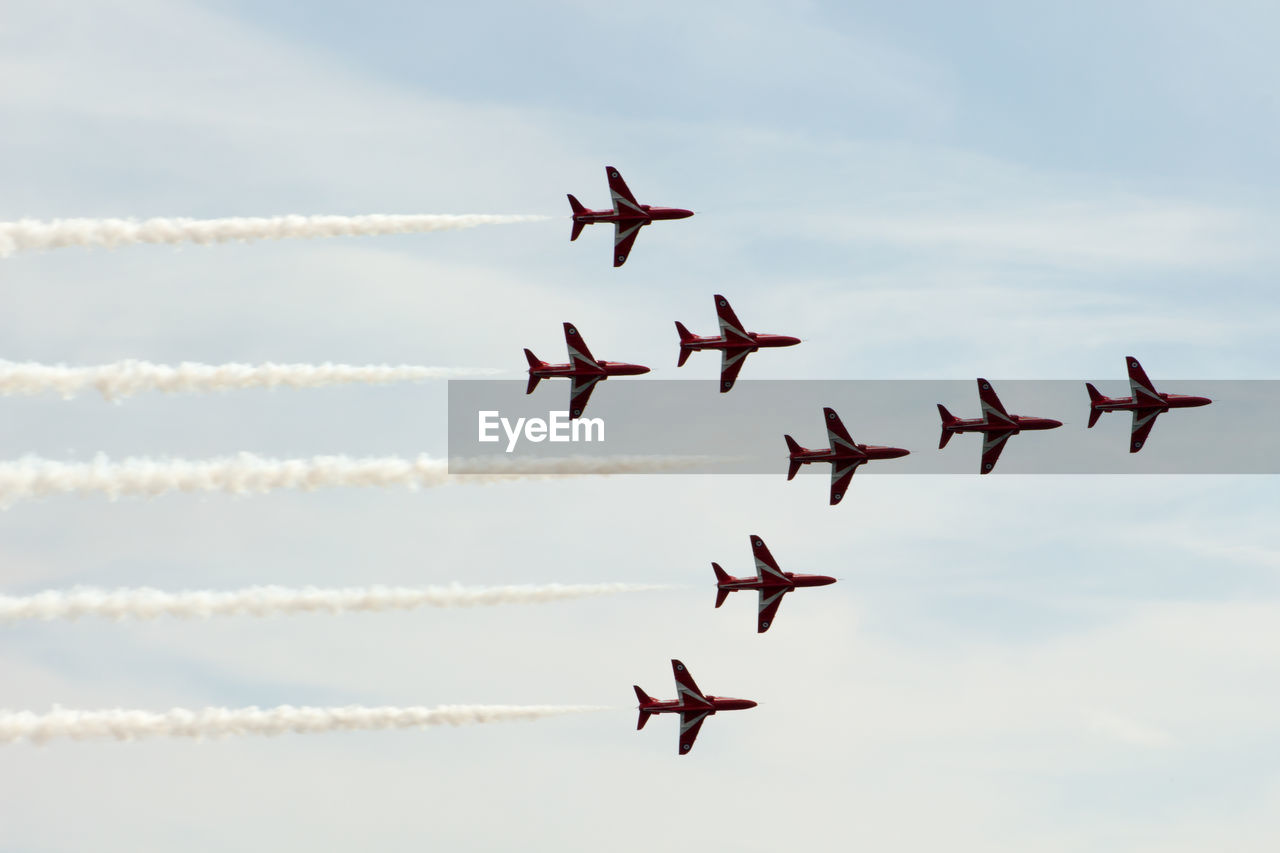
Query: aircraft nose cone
pixel 1202 401
pixel 681 213
pixel 640 369
pixel 823 580
pixel 747 703
pixel 1050 423
pixel 788 341
pixel 899 452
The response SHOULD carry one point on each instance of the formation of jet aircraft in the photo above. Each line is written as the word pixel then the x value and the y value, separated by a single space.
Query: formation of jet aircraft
pixel 770 580
pixel 844 454
pixel 690 703
pixel 627 215
pixel 583 368
pixel 734 342
pixel 996 425
pixel 1146 403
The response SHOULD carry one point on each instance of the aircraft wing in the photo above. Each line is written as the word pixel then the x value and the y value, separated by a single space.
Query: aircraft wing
pixel 841 475
pixel 1143 421
pixel 766 566
pixel 837 435
pixel 579 356
pixel 1140 386
pixel 992 409
pixel 731 362
pixel 992 445
pixel 580 393
pixel 686 690
pixel 690 724
pixel 731 328
pixel 623 200
pixel 624 237
pixel 770 601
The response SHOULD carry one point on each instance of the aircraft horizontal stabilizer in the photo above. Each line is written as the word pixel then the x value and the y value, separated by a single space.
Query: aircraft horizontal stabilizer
pixel 644 714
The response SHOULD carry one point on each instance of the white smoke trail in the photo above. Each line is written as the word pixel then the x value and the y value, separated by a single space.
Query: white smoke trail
pixel 32 477
pixel 124 378
pixel 122 724
pixel 277 600
pixel 35 235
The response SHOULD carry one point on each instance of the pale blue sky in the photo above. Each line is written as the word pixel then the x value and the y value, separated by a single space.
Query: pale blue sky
pixel 1011 190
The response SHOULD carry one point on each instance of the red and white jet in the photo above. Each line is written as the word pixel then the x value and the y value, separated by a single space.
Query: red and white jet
pixel 844 455
pixel 583 369
pixel 734 342
pixel 691 704
pixel 772 582
pixel 627 215
pixel 1147 404
pixel 996 425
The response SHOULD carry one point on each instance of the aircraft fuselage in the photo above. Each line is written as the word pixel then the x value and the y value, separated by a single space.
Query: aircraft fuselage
pixel 795 580
pixel 1019 423
pixel 758 341
pixel 868 451
pixel 607 369
pixel 646 214
pixel 717 703
pixel 1171 401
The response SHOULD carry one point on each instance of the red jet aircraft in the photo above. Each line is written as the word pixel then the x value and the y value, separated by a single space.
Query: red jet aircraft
pixel 627 215
pixel 772 582
pixel 996 425
pixel 735 343
pixel 844 455
pixel 691 704
pixel 582 368
pixel 1147 404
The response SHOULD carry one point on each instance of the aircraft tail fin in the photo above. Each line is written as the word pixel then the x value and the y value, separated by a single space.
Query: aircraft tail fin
pixel 685 337
pixel 534 362
pixel 1095 397
pixel 578 209
pixel 793 447
pixel 947 420
pixel 645 714
pixel 721 577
